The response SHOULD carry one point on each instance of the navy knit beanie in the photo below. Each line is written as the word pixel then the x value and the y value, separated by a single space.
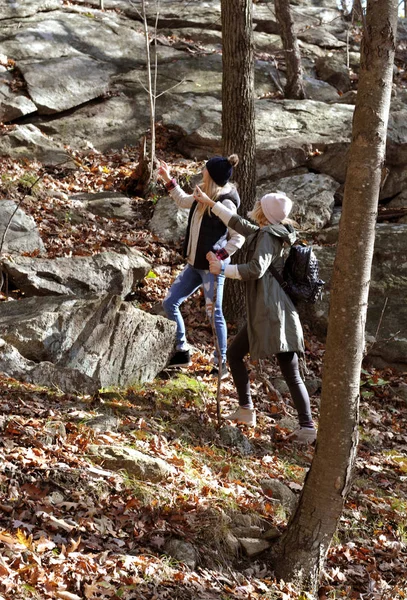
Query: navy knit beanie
pixel 220 168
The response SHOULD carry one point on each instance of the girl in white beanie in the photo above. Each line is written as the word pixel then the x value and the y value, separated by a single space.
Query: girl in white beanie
pixel 273 326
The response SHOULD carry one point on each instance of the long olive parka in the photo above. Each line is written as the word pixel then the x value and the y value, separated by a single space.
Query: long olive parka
pixel 273 322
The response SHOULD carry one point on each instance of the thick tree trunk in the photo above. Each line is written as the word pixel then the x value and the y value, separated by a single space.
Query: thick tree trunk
pixel 294 87
pixel 238 132
pixel 238 125
pixel 300 553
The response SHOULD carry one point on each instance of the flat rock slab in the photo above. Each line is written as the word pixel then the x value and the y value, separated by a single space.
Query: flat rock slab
pixel 62 83
pixel 105 125
pixel 27 141
pixel 111 205
pixel 10 9
pixel 105 273
pixel 142 466
pixel 106 37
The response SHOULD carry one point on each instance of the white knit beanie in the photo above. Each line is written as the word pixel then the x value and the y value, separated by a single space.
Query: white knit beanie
pixel 276 207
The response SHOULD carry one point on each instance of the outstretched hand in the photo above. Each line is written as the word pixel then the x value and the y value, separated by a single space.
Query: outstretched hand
pixel 163 172
pixel 201 197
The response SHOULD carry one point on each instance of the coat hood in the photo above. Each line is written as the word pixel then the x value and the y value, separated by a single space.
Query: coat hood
pixel 286 232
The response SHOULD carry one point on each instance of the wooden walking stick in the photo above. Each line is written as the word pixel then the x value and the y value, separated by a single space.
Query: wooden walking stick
pixel 215 337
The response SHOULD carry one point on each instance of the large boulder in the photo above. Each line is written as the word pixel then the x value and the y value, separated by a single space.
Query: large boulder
pixel 106 339
pixel 321 37
pixel 105 273
pixel 334 71
pixel 312 195
pixel 315 89
pixel 288 132
pixel 386 324
pixel 12 104
pixel 72 381
pixel 169 223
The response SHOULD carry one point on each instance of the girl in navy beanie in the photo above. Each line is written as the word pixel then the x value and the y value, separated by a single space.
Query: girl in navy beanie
pixel 205 233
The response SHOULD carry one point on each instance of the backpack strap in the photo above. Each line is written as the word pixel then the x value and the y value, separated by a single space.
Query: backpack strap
pixel 277 276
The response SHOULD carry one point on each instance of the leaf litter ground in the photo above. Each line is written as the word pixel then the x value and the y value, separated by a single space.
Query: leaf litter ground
pixel 72 529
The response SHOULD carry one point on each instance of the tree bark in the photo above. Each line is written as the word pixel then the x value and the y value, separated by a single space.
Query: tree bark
pixel 300 553
pixel 294 87
pixel 238 127
pixel 238 124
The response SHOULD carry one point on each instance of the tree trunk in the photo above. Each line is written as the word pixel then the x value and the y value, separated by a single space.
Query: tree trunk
pixel 300 553
pixel 238 125
pixel 238 132
pixel 294 86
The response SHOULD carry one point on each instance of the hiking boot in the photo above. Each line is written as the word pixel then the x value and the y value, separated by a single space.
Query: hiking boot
pixel 243 415
pixel 224 371
pixel 303 435
pixel 180 359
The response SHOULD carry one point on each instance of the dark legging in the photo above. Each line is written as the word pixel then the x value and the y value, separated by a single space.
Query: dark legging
pixel 288 362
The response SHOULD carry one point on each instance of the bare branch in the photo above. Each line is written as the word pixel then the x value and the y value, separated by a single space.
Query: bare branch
pixel 136 9
pixel 171 88
pixel 382 342
pixel 276 80
pixel 142 84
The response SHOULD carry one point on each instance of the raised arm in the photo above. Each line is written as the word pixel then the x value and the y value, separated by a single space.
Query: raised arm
pixel 226 215
pixel 181 199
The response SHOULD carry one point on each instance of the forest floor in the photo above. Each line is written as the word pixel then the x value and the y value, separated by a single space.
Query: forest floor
pixel 96 534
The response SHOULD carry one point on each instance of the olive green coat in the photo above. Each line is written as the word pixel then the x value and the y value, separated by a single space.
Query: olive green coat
pixel 273 323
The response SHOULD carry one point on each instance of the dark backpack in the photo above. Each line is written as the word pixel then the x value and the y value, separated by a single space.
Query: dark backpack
pixel 300 278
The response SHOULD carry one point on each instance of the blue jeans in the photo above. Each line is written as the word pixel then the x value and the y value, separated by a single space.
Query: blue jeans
pixel 187 282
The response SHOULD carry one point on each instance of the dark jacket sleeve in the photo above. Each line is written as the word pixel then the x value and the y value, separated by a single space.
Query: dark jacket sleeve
pixel 265 250
pixel 242 226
